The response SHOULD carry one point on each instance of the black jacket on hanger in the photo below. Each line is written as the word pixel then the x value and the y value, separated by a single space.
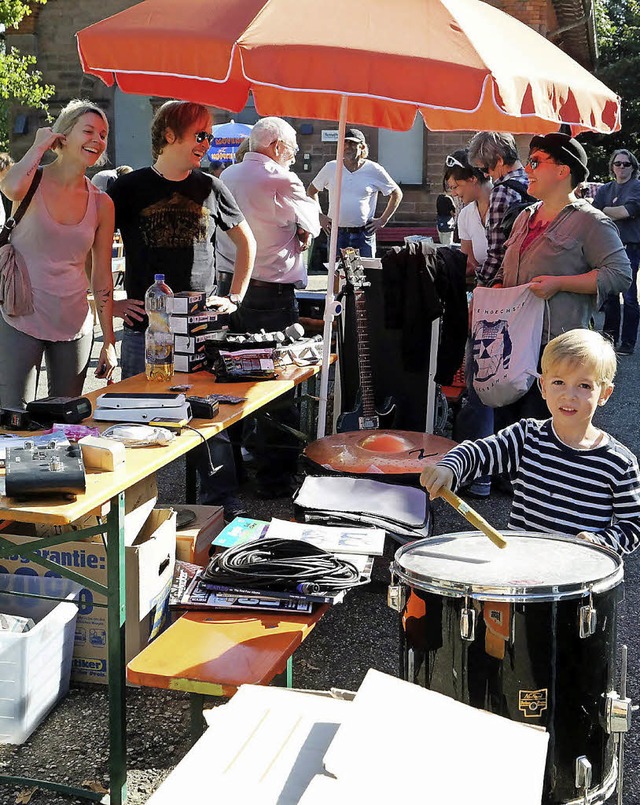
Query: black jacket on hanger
pixel 421 283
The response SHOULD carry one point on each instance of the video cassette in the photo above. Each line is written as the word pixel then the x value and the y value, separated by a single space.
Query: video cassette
pixel 189 363
pixel 194 344
pixel 198 323
pixel 189 302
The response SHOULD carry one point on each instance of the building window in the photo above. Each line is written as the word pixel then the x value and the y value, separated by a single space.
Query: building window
pixel 402 153
pixel 248 115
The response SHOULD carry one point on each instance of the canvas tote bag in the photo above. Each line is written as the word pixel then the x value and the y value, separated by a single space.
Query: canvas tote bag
pixel 506 331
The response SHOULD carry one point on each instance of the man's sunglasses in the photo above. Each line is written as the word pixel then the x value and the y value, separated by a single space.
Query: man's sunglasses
pixel 622 164
pixel 201 136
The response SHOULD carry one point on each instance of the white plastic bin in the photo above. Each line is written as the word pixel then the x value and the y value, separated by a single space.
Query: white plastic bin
pixel 34 666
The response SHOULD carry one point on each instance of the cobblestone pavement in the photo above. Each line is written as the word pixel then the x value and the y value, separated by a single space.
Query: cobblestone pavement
pixel 354 636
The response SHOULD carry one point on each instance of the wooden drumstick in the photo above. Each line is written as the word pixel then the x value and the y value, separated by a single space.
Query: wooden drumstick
pixel 473 517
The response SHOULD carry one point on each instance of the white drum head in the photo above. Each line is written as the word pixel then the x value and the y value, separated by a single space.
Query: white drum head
pixel 532 566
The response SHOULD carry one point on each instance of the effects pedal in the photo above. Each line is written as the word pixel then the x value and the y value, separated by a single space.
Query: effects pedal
pixel 203 407
pixel 36 470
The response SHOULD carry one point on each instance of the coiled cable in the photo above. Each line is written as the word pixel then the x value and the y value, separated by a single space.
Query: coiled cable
pixel 283 564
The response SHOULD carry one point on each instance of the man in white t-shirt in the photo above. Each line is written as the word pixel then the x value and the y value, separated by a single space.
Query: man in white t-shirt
pixel 362 180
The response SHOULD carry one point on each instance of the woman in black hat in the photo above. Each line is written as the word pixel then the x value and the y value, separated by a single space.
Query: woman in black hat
pixel 569 252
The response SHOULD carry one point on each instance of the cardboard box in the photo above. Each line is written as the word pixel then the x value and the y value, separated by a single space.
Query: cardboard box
pixel 189 302
pixel 149 564
pixel 189 363
pixel 198 323
pixel 139 501
pixel 194 540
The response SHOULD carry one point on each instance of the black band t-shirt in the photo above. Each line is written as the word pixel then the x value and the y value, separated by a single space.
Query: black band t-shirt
pixel 167 228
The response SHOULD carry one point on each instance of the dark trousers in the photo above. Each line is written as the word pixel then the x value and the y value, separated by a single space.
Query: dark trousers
pixel 530 406
pixel 216 489
pixel 628 334
pixel 272 307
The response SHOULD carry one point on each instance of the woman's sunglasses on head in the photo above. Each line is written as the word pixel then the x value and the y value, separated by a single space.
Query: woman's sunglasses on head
pixel 452 162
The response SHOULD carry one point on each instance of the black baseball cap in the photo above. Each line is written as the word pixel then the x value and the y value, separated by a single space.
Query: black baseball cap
pixel 566 150
pixel 355 135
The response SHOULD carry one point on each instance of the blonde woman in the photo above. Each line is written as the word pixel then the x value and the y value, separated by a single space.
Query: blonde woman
pixel 67 220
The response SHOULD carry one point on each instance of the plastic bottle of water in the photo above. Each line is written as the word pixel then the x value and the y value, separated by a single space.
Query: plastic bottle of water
pixel 158 339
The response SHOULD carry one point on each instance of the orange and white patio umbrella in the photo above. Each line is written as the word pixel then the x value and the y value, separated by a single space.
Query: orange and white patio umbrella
pixel 462 64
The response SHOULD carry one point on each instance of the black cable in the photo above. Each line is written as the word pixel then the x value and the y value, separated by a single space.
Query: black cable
pixel 283 564
pixel 212 470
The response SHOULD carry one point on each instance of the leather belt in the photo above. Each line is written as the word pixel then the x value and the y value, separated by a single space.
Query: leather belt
pixel 264 284
pixel 352 229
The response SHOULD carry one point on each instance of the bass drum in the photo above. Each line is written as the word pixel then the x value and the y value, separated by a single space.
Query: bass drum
pixel 528 633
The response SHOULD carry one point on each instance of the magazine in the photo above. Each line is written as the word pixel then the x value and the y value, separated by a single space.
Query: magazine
pixel 239 530
pixel 202 595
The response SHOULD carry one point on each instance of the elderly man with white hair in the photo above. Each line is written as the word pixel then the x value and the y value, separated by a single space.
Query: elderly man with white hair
pixel 282 218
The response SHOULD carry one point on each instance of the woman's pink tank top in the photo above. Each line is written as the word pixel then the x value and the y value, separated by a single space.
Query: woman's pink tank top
pixel 55 255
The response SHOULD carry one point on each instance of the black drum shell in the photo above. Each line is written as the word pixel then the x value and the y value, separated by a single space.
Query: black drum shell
pixel 548 676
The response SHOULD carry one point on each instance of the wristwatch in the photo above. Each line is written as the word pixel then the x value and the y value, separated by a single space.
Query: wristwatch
pixel 235 298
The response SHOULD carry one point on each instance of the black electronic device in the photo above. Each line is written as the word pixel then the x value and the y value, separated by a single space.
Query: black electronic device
pixel 203 407
pixel 15 419
pixel 34 470
pixel 67 410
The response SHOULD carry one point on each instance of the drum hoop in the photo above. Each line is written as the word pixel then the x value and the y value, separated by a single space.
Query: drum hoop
pixel 480 592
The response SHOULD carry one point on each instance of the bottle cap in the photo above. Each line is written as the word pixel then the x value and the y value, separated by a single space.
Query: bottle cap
pixel 158 277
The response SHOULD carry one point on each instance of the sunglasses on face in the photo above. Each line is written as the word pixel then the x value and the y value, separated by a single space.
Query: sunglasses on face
pixel 534 162
pixel 452 162
pixel 618 164
pixel 201 136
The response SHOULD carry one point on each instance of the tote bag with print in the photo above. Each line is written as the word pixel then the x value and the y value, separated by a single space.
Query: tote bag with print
pixel 506 332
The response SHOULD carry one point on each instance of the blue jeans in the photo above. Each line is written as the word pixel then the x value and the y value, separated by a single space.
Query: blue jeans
pixel 630 310
pixel 272 307
pixel 366 244
pixel 475 420
pixel 214 490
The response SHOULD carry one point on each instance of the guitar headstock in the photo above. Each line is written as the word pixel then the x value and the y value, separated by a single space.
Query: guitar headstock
pixel 353 268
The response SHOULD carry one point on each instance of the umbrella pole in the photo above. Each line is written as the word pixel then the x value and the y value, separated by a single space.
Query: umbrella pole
pixel 330 307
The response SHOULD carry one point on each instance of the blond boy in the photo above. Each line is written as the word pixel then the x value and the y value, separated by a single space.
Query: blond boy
pixel 569 477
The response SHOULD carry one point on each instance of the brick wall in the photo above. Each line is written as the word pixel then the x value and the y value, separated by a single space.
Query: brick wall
pixel 49 33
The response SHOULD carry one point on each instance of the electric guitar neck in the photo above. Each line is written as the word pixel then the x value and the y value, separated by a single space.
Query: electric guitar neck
pixel 365 416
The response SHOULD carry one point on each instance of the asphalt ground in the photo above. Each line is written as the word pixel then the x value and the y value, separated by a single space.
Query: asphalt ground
pixel 361 633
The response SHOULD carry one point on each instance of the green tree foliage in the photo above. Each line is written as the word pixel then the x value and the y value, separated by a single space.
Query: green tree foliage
pixel 618 30
pixel 19 82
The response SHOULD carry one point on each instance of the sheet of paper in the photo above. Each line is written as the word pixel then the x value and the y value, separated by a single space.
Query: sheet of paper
pixel 264 746
pixel 448 751
pixel 335 539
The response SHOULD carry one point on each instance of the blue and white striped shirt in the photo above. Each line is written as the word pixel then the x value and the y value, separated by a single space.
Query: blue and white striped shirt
pixel 558 489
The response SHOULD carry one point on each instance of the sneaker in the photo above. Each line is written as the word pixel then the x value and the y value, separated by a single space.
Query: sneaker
pixel 234 508
pixel 624 349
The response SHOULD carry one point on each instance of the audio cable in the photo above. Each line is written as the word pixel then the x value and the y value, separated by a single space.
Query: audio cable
pixel 283 564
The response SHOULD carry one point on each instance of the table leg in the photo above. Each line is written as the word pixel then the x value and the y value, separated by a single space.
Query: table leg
pixel 116 606
pixel 191 479
pixel 196 705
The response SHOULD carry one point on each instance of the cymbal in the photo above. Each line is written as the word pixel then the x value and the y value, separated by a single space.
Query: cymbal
pixel 378 451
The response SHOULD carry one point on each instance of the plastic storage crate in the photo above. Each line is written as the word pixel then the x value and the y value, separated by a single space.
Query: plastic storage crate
pixel 34 666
